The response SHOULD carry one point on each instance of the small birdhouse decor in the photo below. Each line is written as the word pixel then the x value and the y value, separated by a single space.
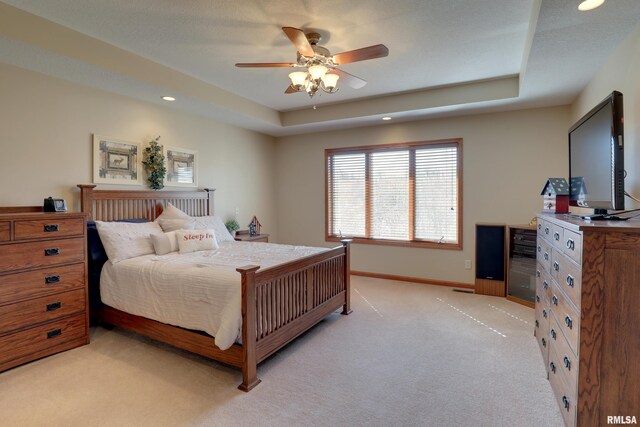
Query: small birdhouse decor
pixel 254 227
pixel 556 195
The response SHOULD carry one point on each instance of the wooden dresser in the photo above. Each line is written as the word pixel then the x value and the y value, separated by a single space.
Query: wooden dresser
pixel 588 314
pixel 43 293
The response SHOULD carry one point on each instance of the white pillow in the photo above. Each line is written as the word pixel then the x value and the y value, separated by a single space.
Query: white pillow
pixel 176 224
pixel 124 240
pixel 171 212
pixel 165 243
pixel 215 223
pixel 196 240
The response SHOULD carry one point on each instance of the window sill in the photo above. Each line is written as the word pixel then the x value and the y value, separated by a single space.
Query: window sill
pixel 384 242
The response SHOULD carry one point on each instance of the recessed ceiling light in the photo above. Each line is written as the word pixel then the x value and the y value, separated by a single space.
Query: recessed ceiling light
pixel 168 98
pixel 589 5
pixel 386 118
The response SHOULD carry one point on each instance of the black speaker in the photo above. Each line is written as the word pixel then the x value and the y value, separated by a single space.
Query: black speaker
pixel 490 251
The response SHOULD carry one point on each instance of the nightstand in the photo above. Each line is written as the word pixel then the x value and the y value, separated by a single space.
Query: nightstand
pixel 243 236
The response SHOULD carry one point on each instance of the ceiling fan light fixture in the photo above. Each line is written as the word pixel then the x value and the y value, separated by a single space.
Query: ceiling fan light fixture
pixel 317 71
pixel 298 79
pixel 330 81
pixel 589 5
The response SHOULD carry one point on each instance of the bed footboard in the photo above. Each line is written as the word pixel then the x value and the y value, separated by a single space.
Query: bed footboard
pixel 282 302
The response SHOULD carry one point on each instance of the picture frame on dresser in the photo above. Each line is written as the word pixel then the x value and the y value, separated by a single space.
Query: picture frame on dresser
pixel 116 161
pixel 182 167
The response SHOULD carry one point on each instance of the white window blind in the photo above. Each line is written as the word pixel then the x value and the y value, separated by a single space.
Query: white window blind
pixel 398 194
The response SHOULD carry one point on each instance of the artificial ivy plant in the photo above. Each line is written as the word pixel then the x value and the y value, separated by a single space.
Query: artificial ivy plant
pixel 154 164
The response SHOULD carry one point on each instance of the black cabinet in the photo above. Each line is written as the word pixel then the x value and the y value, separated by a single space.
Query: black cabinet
pixel 521 279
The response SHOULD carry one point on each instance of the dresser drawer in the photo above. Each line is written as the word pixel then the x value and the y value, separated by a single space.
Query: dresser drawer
pixel 568 317
pixel 545 230
pixel 23 343
pixel 543 282
pixel 564 394
pixel 567 275
pixel 21 256
pixel 566 360
pixel 42 282
pixel 44 228
pixel 543 254
pixel 543 342
pixel 40 310
pixel 572 246
pixel 5 231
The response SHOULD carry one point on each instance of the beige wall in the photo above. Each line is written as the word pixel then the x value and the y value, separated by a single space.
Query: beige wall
pixel 506 159
pixel 622 73
pixel 46 145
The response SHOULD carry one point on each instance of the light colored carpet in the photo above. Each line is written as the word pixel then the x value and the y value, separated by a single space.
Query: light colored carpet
pixel 409 355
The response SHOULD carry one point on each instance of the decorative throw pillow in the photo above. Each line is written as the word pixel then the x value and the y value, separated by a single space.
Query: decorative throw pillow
pixel 176 224
pixel 196 240
pixel 171 212
pixel 123 240
pixel 165 243
pixel 216 224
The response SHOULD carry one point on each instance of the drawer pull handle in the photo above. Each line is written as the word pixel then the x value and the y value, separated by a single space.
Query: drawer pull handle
pixel 554 299
pixel 51 279
pixel 539 226
pixel 539 248
pixel 537 324
pixel 52 251
pixel 553 367
pixel 565 402
pixel 570 244
pixel 546 230
pixel 546 256
pixel 54 333
pixel 54 306
pixel 569 322
pixel 570 280
pixel 567 363
pixel 554 335
pixel 545 285
pixel 544 313
pixel 544 342
pixel 556 266
pixel 537 273
pixel 537 298
pixel 556 236
pixel 51 227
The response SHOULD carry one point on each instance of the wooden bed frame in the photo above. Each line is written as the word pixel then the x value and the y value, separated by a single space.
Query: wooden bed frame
pixel 278 303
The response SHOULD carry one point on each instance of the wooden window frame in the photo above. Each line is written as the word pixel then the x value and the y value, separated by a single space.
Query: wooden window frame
pixel 412 146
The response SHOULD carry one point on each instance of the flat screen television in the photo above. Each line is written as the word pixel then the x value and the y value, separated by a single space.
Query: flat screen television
pixel 596 158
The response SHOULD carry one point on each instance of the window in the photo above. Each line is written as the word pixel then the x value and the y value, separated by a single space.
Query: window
pixel 396 194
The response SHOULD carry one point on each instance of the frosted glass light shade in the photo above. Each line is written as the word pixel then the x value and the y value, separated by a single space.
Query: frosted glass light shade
pixel 330 80
pixel 298 78
pixel 317 71
pixel 589 4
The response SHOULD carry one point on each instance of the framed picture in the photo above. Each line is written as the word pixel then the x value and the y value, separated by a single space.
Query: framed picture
pixel 116 161
pixel 182 167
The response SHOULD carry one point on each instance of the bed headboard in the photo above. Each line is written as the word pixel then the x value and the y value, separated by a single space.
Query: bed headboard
pixel 114 205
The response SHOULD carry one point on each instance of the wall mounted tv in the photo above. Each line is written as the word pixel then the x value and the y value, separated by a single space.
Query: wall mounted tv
pixel 596 158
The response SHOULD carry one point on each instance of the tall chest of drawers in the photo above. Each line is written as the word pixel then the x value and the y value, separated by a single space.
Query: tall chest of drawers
pixel 43 293
pixel 587 316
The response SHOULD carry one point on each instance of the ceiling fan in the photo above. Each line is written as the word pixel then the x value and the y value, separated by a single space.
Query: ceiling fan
pixel 320 66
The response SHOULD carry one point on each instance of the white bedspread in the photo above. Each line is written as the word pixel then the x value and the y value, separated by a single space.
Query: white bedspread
pixel 200 290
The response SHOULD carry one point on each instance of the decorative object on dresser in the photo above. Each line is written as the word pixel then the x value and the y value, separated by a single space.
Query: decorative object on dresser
pixel 43 293
pixel 116 161
pixel 587 298
pixel 245 236
pixel 254 226
pixel 521 264
pixel 302 291
pixel 182 167
pixel 556 196
pixel 490 259
pixel 154 164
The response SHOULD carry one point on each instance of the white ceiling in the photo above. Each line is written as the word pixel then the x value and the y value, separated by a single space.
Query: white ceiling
pixel 505 53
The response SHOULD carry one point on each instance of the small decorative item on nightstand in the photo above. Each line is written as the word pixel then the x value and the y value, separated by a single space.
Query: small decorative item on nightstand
pixel 556 195
pixel 254 226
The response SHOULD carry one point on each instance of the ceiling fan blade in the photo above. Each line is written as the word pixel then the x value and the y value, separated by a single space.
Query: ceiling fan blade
pixel 291 89
pixel 265 64
pixel 300 41
pixel 371 52
pixel 349 79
